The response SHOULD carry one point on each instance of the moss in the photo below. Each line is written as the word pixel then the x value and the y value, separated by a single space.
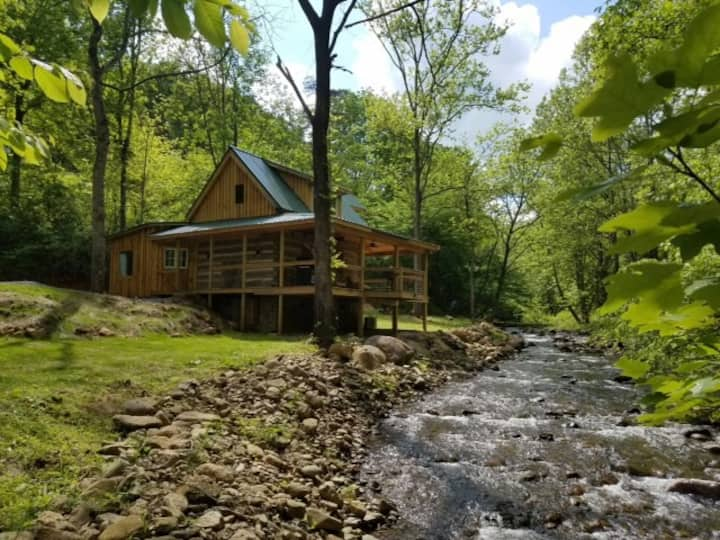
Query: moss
pixel 57 397
pixel 258 431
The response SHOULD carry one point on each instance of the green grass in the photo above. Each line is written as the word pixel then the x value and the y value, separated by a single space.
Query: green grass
pixel 57 397
pixel 410 322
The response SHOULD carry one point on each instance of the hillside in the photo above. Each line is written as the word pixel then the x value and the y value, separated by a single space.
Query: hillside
pixel 29 309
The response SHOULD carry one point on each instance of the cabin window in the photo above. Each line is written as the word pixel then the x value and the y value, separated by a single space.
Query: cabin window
pixel 240 194
pixel 175 258
pixel 126 263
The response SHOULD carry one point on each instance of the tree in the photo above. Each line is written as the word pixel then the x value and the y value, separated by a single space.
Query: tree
pixel 436 47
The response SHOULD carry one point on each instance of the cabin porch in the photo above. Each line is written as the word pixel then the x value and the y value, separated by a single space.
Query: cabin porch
pixel 259 274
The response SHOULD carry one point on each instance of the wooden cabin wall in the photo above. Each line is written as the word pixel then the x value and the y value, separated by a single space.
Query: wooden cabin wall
pixel 147 278
pixel 301 186
pixel 219 202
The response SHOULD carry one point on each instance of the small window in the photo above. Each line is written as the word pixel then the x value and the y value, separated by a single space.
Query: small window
pixel 239 194
pixel 174 258
pixel 170 258
pixel 126 263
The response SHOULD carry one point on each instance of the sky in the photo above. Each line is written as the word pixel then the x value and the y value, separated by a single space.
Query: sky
pixel 539 43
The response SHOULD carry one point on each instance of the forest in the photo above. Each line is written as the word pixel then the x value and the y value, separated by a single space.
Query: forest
pixel 601 213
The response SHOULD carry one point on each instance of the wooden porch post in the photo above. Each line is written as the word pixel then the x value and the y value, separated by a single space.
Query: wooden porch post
pixel 242 282
pixel 396 270
pixel 177 265
pixel 210 271
pixel 396 309
pixel 361 299
pixel 281 281
pixel 426 299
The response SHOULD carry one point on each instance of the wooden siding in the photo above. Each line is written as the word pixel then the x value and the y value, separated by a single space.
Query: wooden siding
pixel 218 202
pixel 300 185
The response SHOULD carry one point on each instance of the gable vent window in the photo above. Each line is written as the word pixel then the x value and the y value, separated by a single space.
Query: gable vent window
pixel 239 194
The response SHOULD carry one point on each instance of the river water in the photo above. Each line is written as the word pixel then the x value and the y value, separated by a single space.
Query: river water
pixel 539 449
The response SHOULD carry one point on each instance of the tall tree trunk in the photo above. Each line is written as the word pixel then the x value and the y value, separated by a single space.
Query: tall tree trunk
pixel 102 145
pixel 472 289
pixel 16 160
pixel 324 304
pixel 417 186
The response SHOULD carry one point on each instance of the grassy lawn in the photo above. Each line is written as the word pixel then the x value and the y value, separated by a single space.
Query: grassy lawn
pixel 410 322
pixel 57 397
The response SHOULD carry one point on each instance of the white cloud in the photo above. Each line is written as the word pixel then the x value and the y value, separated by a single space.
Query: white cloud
pixel 525 55
pixel 372 68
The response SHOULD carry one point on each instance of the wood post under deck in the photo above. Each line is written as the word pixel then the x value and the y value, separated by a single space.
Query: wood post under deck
pixel 281 282
pixel 426 263
pixel 242 283
pixel 210 272
pixel 361 301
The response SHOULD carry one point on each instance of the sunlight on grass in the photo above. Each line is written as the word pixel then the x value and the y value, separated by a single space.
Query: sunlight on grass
pixel 410 322
pixel 57 397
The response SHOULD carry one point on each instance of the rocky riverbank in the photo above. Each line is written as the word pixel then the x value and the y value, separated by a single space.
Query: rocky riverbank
pixel 271 452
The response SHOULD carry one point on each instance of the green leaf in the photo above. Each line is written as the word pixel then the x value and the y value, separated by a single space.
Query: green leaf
pixel 53 87
pixel 583 193
pixel 692 367
pixel 8 47
pixel 705 290
pixel 671 322
pixel 75 87
pixel 550 144
pixel 656 286
pixel 706 385
pixel 139 7
pixel 176 19
pixel 691 244
pixel 632 368
pixel 209 22
pixel 99 9
pixel 239 36
pixel 22 66
pixel 620 99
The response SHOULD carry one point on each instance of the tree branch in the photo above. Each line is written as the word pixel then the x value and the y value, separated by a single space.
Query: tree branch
pixel 166 75
pixel 689 172
pixel 383 14
pixel 341 26
pixel 288 76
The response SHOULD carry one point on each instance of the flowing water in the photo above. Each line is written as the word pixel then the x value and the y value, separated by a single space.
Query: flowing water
pixel 539 449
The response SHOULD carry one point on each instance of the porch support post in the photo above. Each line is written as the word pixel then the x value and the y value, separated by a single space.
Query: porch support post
pixel 426 299
pixel 361 299
pixel 210 270
pixel 395 312
pixel 242 283
pixel 396 270
pixel 281 281
pixel 177 265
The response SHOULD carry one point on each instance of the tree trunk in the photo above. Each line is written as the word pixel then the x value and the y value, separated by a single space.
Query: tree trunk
pixel 471 271
pixel 16 160
pixel 102 145
pixel 324 305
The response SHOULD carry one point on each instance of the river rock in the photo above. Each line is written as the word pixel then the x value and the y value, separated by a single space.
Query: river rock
pixel 396 350
pixel 140 407
pixel 693 486
pixel 218 472
pixel 197 417
pixel 318 519
pixel 128 422
pixel 368 357
pixel 340 350
pixel 310 425
pixel 299 490
pixel 212 519
pixel 311 471
pixel 175 503
pixel 123 528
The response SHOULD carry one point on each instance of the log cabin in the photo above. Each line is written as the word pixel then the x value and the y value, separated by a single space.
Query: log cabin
pixel 246 249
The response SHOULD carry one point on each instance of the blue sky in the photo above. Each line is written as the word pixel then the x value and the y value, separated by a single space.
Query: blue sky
pixel 538 45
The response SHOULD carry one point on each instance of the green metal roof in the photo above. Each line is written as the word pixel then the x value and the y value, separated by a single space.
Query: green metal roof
pixel 272 182
pixel 212 226
pixel 350 205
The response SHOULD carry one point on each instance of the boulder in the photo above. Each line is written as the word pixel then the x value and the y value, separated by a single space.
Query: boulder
pixel 368 357
pixel 140 407
pixel 123 528
pixel 340 350
pixel 197 417
pixel 396 350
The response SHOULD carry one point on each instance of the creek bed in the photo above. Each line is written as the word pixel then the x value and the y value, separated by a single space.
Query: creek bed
pixel 539 449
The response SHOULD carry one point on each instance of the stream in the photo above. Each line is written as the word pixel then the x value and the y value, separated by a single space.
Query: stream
pixel 540 448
